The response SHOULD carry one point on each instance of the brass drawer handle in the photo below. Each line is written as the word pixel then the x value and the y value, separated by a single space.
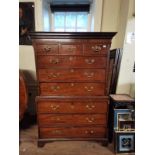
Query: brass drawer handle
pixel 90 107
pixel 90 120
pixel 89 89
pixel 54 61
pixel 57 132
pixel 89 61
pixel 72 106
pixel 72 84
pixel 55 88
pixel 89 75
pixel 47 49
pixel 54 107
pixel 54 75
pixel 72 70
pixel 71 49
pixel 56 119
pixel 104 46
pixel 96 48
pixel 89 132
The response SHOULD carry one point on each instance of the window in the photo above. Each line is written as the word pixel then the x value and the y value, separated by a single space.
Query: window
pixel 70 16
pixel 70 21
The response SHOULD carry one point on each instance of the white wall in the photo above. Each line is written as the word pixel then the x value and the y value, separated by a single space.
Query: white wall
pixel 126 76
pixel 46 16
pixel 110 15
pixel 96 15
pixel 118 16
pixel 26 60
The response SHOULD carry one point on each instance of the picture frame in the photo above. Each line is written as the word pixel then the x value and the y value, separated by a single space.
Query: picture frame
pixel 124 141
pixel 26 22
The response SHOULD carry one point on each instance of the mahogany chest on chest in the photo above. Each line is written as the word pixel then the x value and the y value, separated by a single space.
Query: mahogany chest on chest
pixel 72 74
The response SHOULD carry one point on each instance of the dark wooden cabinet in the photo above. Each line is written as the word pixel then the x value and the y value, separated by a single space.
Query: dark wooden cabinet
pixel 72 73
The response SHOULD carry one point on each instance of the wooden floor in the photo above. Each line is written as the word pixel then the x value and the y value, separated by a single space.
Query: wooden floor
pixel 28 146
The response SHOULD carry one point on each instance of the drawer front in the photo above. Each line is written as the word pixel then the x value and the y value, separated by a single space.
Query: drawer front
pixel 96 48
pixel 73 132
pixel 71 62
pixel 72 119
pixel 72 107
pixel 49 75
pixel 69 89
pixel 71 49
pixel 45 49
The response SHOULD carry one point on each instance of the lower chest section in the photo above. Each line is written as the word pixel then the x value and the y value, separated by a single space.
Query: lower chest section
pixel 72 118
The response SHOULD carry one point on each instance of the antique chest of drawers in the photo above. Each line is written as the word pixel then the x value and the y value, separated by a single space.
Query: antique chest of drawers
pixel 72 74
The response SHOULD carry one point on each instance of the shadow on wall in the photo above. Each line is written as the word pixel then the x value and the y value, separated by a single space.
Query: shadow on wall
pixel 32 92
pixel 132 90
pixel 29 78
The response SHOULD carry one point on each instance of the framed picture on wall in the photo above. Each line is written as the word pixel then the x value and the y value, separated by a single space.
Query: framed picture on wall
pixel 26 22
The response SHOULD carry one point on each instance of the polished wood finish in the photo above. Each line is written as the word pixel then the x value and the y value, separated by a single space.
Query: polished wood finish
pixel 68 89
pixel 72 132
pixel 23 95
pixel 47 49
pixel 72 72
pixel 72 107
pixel 69 119
pixel 71 62
pixel 73 35
pixel 74 75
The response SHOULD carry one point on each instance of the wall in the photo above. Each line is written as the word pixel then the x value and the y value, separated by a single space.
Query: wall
pixel 110 15
pixel 126 76
pixel 46 16
pixel 96 15
pixel 126 79
pixel 118 16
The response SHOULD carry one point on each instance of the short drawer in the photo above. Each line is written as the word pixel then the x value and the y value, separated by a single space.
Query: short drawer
pixel 71 62
pixel 96 48
pixel 72 132
pixel 72 106
pixel 72 119
pixel 71 49
pixel 46 49
pixel 70 89
pixel 68 75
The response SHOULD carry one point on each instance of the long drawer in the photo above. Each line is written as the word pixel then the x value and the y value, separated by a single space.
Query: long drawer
pixel 72 106
pixel 68 75
pixel 71 62
pixel 72 119
pixel 70 89
pixel 72 132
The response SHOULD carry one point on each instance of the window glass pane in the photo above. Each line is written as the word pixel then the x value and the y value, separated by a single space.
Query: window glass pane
pixel 82 20
pixel 70 19
pixel 59 18
pixel 59 29
pixel 70 30
pixel 81 30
